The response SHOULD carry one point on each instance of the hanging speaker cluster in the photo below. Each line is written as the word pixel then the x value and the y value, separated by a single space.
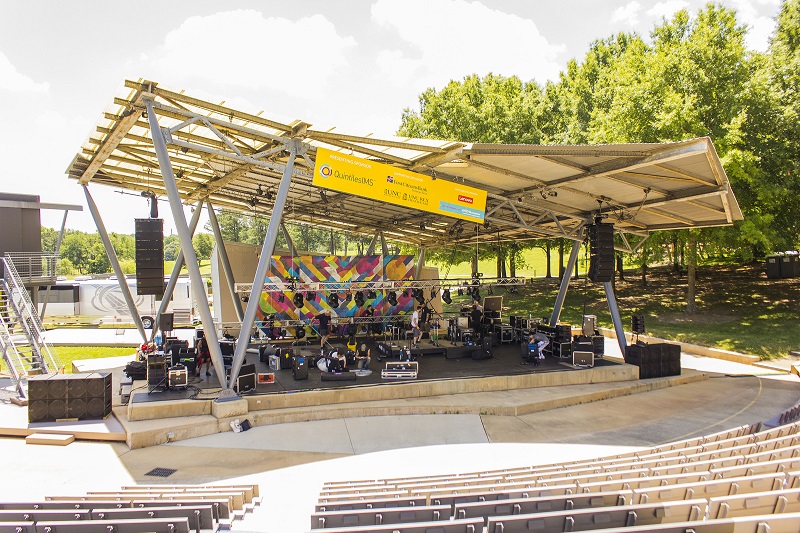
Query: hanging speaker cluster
pixel 601 252
pixel 149 256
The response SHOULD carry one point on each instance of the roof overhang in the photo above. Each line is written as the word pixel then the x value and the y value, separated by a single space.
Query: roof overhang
pixel 236 159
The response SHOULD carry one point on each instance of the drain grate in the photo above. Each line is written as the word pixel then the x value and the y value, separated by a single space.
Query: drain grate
pixel 161 472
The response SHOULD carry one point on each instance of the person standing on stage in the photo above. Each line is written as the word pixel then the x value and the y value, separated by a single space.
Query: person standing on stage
pixel 369 313
pixel 424 320
pixel 324 328
pixel 476 320
pixel 203 357
pixel 415 332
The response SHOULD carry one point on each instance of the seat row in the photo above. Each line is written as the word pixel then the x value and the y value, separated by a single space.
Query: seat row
pixel 573 512
pixel 158 508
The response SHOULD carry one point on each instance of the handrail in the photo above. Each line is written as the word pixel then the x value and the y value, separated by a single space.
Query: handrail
pixel 30 319
pixel 12 357
pixel 35 267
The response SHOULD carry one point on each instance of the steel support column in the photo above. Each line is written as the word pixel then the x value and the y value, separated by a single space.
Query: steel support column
pixel 223 257
pixel 176 270
pixel 562 290
pixel 295 147
pixel 612 306
pixel 186 246
pixel 56 252
pixel 112 258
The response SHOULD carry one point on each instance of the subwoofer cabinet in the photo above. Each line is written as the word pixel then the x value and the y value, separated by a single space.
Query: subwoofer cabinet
pixel 85 396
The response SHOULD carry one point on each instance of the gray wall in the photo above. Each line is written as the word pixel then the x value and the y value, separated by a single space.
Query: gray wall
pixel 20 229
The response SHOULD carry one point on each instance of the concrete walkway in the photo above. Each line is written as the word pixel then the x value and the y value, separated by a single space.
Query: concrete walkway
pixel 291 461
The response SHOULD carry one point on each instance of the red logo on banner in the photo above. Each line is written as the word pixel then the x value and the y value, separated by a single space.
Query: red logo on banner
pixel 465 199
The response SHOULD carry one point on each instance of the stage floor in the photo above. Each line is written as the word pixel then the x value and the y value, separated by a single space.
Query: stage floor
pixel 505 361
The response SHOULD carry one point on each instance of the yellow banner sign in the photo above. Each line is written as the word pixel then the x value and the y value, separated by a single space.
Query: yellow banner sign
pixel 362 177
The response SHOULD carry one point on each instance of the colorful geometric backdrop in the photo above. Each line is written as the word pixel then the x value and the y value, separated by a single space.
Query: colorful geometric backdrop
pixel 317 268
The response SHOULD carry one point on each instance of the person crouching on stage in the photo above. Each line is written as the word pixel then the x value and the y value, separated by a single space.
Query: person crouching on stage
pixel 536 344
pixel 362 356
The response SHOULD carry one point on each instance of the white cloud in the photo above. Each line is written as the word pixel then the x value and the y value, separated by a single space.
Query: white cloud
pixel 244 49
pixel 667 8
pixel 449 39
pixel 12 80
pixel 629 13
pixel 760 27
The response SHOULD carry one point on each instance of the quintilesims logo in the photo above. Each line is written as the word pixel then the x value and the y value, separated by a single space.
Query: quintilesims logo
pixel 465 199
pixel 389 179
pixel 325 171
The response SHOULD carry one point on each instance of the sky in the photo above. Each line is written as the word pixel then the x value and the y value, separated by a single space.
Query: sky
pixel 350 64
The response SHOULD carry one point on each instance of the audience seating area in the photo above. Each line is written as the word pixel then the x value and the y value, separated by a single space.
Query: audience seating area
pixel 743 480
pixel 135 509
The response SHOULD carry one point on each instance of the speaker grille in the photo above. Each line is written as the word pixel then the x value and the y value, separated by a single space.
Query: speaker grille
pixel 60 396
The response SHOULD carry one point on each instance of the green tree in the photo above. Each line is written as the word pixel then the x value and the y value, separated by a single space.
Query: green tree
pixel 172 246
pixel 203 244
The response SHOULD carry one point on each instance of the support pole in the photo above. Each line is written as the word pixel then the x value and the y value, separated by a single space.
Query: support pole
pixel 420 263
pixel 55 252
pixel 562 290
pixel 112 258
pixel 176 270
pixel 371 248
pixel 186 246
pixel 289 241
pixel 267 249
pixel 612 306
pixel 226 263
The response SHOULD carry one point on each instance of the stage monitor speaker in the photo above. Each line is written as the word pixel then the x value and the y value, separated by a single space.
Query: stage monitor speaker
pixel 55 397
pixel 149 256
pixel 166 322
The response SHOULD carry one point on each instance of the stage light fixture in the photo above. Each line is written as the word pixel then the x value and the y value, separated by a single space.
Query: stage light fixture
pixel 298 299
pixel 311 296
pixel 391 296
pixel 360 299
pixel 434 291
pixel 446 296
pixel 348 297
pixel 419 296
pixel 405 293
pixel 489 290
pixel 281 298
pixel 323 196
pixel 299 332
pixel 333 300
pixel 371 295
pixel 460 291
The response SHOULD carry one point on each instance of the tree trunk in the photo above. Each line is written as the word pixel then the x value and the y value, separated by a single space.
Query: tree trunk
pixel 474 263
pixel 499 264
pixel 620 266
pixel 560 258
pixel 644 274
pixel 512 263
pixel 676 265
pixel 691 306
pixel 548 260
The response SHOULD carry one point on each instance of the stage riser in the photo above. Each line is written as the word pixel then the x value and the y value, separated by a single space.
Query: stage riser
pixel 393 391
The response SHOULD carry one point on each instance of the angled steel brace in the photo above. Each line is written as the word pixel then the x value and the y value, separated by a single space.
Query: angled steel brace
pixel 223 257
pixel 176 270
pixel 186 244
pixel 562 290
pixel 112 258
pixel 614 309
pixel 296 147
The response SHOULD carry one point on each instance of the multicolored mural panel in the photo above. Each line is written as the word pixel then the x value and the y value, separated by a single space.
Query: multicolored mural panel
pixel 317 268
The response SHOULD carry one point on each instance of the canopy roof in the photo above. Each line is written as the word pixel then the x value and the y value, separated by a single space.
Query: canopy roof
pixel 236 160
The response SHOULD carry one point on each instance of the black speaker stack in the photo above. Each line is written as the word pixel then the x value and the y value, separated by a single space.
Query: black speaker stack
pixel 637 324
pixel 655 360
pixel 150 256
pixel 601 252
pixel 156 371
pixel 53 397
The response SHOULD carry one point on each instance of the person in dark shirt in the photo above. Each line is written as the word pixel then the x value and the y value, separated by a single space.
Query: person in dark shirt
pixel 324 327
pixel 369 313
pixel 476 318
pixel 424 320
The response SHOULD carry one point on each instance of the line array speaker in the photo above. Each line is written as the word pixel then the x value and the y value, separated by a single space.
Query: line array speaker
pixel 150 256
pixel 601 252
pixel 85 396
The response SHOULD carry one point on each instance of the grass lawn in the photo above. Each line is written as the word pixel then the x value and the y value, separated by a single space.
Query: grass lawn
pixel 738 307
pixel 67 354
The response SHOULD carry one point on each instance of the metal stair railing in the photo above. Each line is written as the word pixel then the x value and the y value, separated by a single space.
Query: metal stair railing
pixel 27 317
pixel 15 361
